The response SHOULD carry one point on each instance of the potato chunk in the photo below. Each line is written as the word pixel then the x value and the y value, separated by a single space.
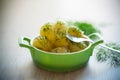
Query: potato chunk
pixel 47 31
pixel 42 43
pixel 62 42
pixel 60 50
pixel 73 47
pixel 60 29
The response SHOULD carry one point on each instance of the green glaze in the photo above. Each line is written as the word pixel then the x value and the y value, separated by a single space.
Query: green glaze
pixel 59 62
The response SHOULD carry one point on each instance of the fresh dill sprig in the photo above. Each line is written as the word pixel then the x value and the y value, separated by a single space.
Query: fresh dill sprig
pixel 109 56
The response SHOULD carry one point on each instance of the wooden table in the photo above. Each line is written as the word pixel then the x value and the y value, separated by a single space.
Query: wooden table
pixel 23 18
pixel 18 65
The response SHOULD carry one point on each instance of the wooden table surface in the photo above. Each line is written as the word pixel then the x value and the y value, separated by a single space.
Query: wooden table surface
pixel 23 18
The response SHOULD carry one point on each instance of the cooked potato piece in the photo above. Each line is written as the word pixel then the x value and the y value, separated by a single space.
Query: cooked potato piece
pixel 47 31
pixel 60 29
pixel 42 43
pixel 62 42
pixel 75 32
pixel 60 50
pixel 73 47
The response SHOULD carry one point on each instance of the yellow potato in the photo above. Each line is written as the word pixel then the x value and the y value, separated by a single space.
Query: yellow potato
pixel 75 32
pixel 73 47
pixel 47 31
pixel 61 42
pixel 42 43
pixel 60 29
pixel 60 50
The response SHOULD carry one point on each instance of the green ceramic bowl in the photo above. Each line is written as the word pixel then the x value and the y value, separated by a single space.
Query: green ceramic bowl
pixel 60 62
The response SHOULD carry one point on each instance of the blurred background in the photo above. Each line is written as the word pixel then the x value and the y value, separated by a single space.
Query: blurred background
pixel 24 18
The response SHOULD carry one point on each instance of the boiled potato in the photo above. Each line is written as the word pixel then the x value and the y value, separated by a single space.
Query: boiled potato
pixel 60 50
pixel 73 31
pixel 77 46
pixel 42 43
pixel 47 31
pixel 62 42
pixel 60 29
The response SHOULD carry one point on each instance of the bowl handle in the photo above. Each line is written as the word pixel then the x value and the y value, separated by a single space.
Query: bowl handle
pixel 96 38
pixel 22 43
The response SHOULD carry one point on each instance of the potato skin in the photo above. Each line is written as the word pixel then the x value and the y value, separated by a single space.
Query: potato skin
pixel 42 43
pixel 47 31
pixel 60 29
pixel 73 47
